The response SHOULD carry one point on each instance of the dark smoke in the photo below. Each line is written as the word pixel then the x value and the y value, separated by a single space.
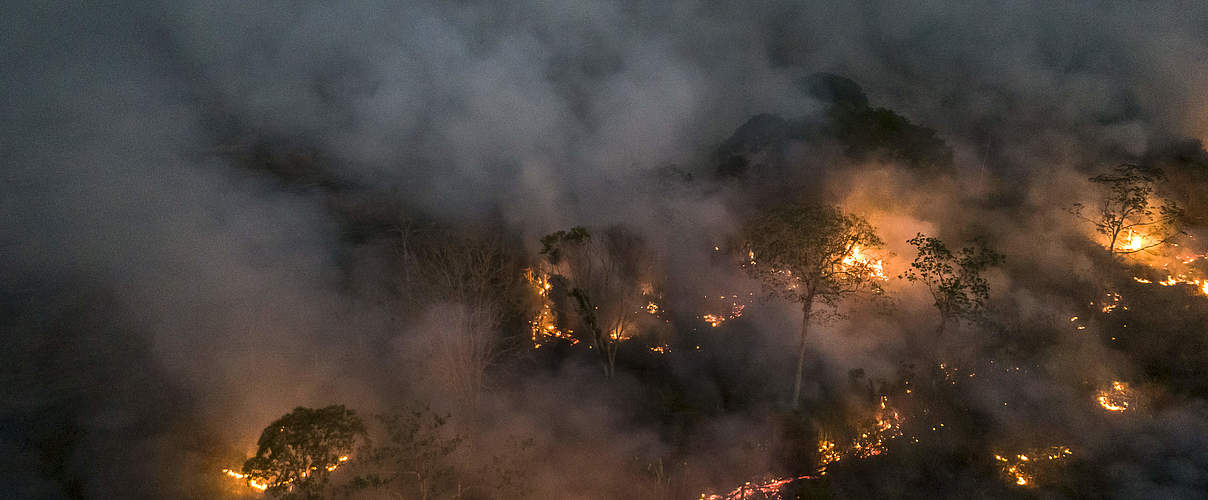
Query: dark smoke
pixel 204 207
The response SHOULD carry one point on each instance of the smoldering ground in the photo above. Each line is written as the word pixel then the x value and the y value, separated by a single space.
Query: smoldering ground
pixel 204 208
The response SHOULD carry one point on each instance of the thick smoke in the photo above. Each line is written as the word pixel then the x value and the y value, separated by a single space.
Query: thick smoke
pixel 202 204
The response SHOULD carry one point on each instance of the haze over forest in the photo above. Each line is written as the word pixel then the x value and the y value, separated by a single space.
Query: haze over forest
pixel 604 250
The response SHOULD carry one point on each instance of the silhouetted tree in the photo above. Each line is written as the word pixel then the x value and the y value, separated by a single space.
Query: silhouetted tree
pixel 1125 210
pixel 809 253
pixel 469 283
pixel 297 452
pixel 954 280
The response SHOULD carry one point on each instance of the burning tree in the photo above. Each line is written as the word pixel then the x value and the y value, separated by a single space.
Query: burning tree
pixel 808 254
pixel 603 275
pixel 954 280
pixel 297 452
pixel 1125 214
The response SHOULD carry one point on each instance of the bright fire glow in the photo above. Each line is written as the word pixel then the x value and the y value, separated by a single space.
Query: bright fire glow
pixel 1110 302
pixel 858 260
pixel 544 327
pixel 1116 398
pixel 1134 242
pixel 652 308
pixel 769 489
pixel 259 485
pixel 1200 284
pixel 1022 468
pixel 618 334
pixel 869 440
pixel 1181 269
pixel 250 482
pixel 1169 259
pixel 726 307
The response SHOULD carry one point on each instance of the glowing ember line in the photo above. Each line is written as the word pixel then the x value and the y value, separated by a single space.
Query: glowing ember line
pixel 870 440
pixel 259 485
pixel 1200 284
pixel 769 489
pixel 250 482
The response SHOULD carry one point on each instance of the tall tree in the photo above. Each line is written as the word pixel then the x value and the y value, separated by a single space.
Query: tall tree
pixel 466 284
pixel 810 254
pixel 1127 214
pixel 604 275
pixel 297 452
pixel 954 280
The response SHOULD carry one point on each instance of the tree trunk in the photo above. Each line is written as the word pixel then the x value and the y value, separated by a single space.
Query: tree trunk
pixel 1111 247
pixel 613 346
pixel 806 306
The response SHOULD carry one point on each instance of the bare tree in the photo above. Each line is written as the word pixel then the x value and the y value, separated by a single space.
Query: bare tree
pixel 809 253
pixel 458 344
pixel 418 455
pixel 604 280
pixel 1126 214
pixel 466 286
